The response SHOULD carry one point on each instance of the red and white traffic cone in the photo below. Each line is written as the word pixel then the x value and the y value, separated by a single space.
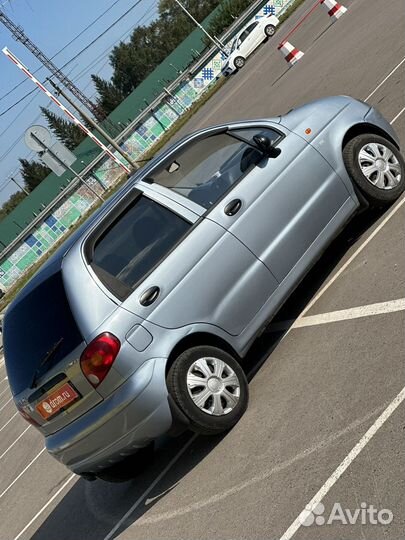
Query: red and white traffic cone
pixel 290 53
pixel 335 10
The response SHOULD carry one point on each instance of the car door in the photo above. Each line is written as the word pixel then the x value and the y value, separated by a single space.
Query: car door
pixel 250 42
pixel 284 205
pixel 284 209
pixel 172 267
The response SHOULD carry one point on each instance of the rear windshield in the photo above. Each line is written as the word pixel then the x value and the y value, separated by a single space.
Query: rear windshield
pixel 33 327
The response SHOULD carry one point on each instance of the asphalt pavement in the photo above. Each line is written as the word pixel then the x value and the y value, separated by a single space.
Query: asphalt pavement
pixel 326 419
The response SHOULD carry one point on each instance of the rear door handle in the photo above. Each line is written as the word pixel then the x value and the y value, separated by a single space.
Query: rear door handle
pixel 233 207
pixel 149 296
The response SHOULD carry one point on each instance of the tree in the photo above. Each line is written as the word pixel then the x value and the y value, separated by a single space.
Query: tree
pixel 109 95
pixel 227 13
pixel 148 46
pixel 33 172
pixel 13 201
pixel 65 131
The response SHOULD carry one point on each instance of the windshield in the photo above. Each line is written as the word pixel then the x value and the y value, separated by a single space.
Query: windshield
pixel 32 328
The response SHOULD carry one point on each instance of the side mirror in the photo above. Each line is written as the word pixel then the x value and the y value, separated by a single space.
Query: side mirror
pixel 263 143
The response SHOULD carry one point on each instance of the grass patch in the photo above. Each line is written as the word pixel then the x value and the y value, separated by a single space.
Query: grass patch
pixel 215 86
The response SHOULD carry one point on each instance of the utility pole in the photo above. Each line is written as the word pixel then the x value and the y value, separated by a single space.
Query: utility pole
pixel 66 111
pixel 215 41
pixel 20 186
pixel 99 129
pixel 19 35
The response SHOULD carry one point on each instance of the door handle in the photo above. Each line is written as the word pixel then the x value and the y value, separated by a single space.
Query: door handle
pixel 149 296
pixel 233 207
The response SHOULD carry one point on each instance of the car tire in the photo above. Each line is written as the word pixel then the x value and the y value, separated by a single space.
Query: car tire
pixel 239 62
pixel 376 167
pixel 217 404
pixel 270 30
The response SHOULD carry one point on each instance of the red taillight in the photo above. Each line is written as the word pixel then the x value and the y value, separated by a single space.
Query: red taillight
pixel 27 417
pixel 98 357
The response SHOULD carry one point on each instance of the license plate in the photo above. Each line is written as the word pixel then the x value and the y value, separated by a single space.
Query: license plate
pixel 62 397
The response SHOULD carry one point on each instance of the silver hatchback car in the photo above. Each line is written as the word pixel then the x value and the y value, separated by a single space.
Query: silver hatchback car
pixel 138 324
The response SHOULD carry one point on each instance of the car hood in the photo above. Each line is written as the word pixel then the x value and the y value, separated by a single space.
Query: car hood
pixel 317 114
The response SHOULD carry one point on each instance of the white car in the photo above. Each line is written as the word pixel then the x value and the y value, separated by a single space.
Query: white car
pixel 247 40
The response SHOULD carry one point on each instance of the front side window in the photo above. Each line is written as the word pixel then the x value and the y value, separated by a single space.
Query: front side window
pixel 206 169
pixel 135 243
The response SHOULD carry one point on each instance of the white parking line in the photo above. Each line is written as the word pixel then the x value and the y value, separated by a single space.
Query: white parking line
pixel 385 79
pixel 351 456
pixel 153 484
pixel 15 442
pixel 398 115
pixel 369 310
pixel 21 473
pixel 178 455
pixel 7 423
pixel 321 292
pixel 6 403
pixel 4 391
pixel 45 506
pixel 265 474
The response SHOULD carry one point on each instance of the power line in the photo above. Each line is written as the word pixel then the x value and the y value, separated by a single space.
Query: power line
pixel 17 102
pixel 64 47
pixel 77 55
pixel 102 33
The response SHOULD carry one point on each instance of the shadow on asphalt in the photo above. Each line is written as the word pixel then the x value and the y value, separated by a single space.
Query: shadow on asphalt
pixel 91 509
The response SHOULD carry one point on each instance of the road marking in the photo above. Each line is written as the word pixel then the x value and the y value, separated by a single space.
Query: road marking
pixel 369 310
pixel 398 115
pixel 21 473
pixel 315 299
pixel 174 460
pixel 45 506
pixel 6 403
pixel 351 456
pixel 322 291
pixel 264 475
pixel 385 80
pixel 153 484
pixel 7 423
pixel 4 391
pixel 15 442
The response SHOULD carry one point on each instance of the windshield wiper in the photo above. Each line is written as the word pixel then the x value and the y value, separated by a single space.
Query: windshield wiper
pixel 49 355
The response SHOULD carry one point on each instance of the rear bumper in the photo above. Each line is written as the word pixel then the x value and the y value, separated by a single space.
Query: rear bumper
pixel 134 415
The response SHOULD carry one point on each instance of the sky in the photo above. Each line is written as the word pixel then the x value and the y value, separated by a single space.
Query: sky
pixel 52 24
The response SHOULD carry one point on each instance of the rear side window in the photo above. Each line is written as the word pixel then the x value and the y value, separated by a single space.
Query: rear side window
pixel 31 329
pixel 135 243
pixel 248 31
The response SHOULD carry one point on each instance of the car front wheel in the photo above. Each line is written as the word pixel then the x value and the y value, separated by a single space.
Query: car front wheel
pixel 210 387
pixel 239 62
pixel 377 167
pixel 270 30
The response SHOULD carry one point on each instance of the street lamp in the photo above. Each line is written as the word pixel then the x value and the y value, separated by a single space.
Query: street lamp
pixel 215 41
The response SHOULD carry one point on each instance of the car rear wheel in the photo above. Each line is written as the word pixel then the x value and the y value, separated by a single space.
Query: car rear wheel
pixel 239 62
pixel 210 387
pixel 270 30
pixel 376 167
